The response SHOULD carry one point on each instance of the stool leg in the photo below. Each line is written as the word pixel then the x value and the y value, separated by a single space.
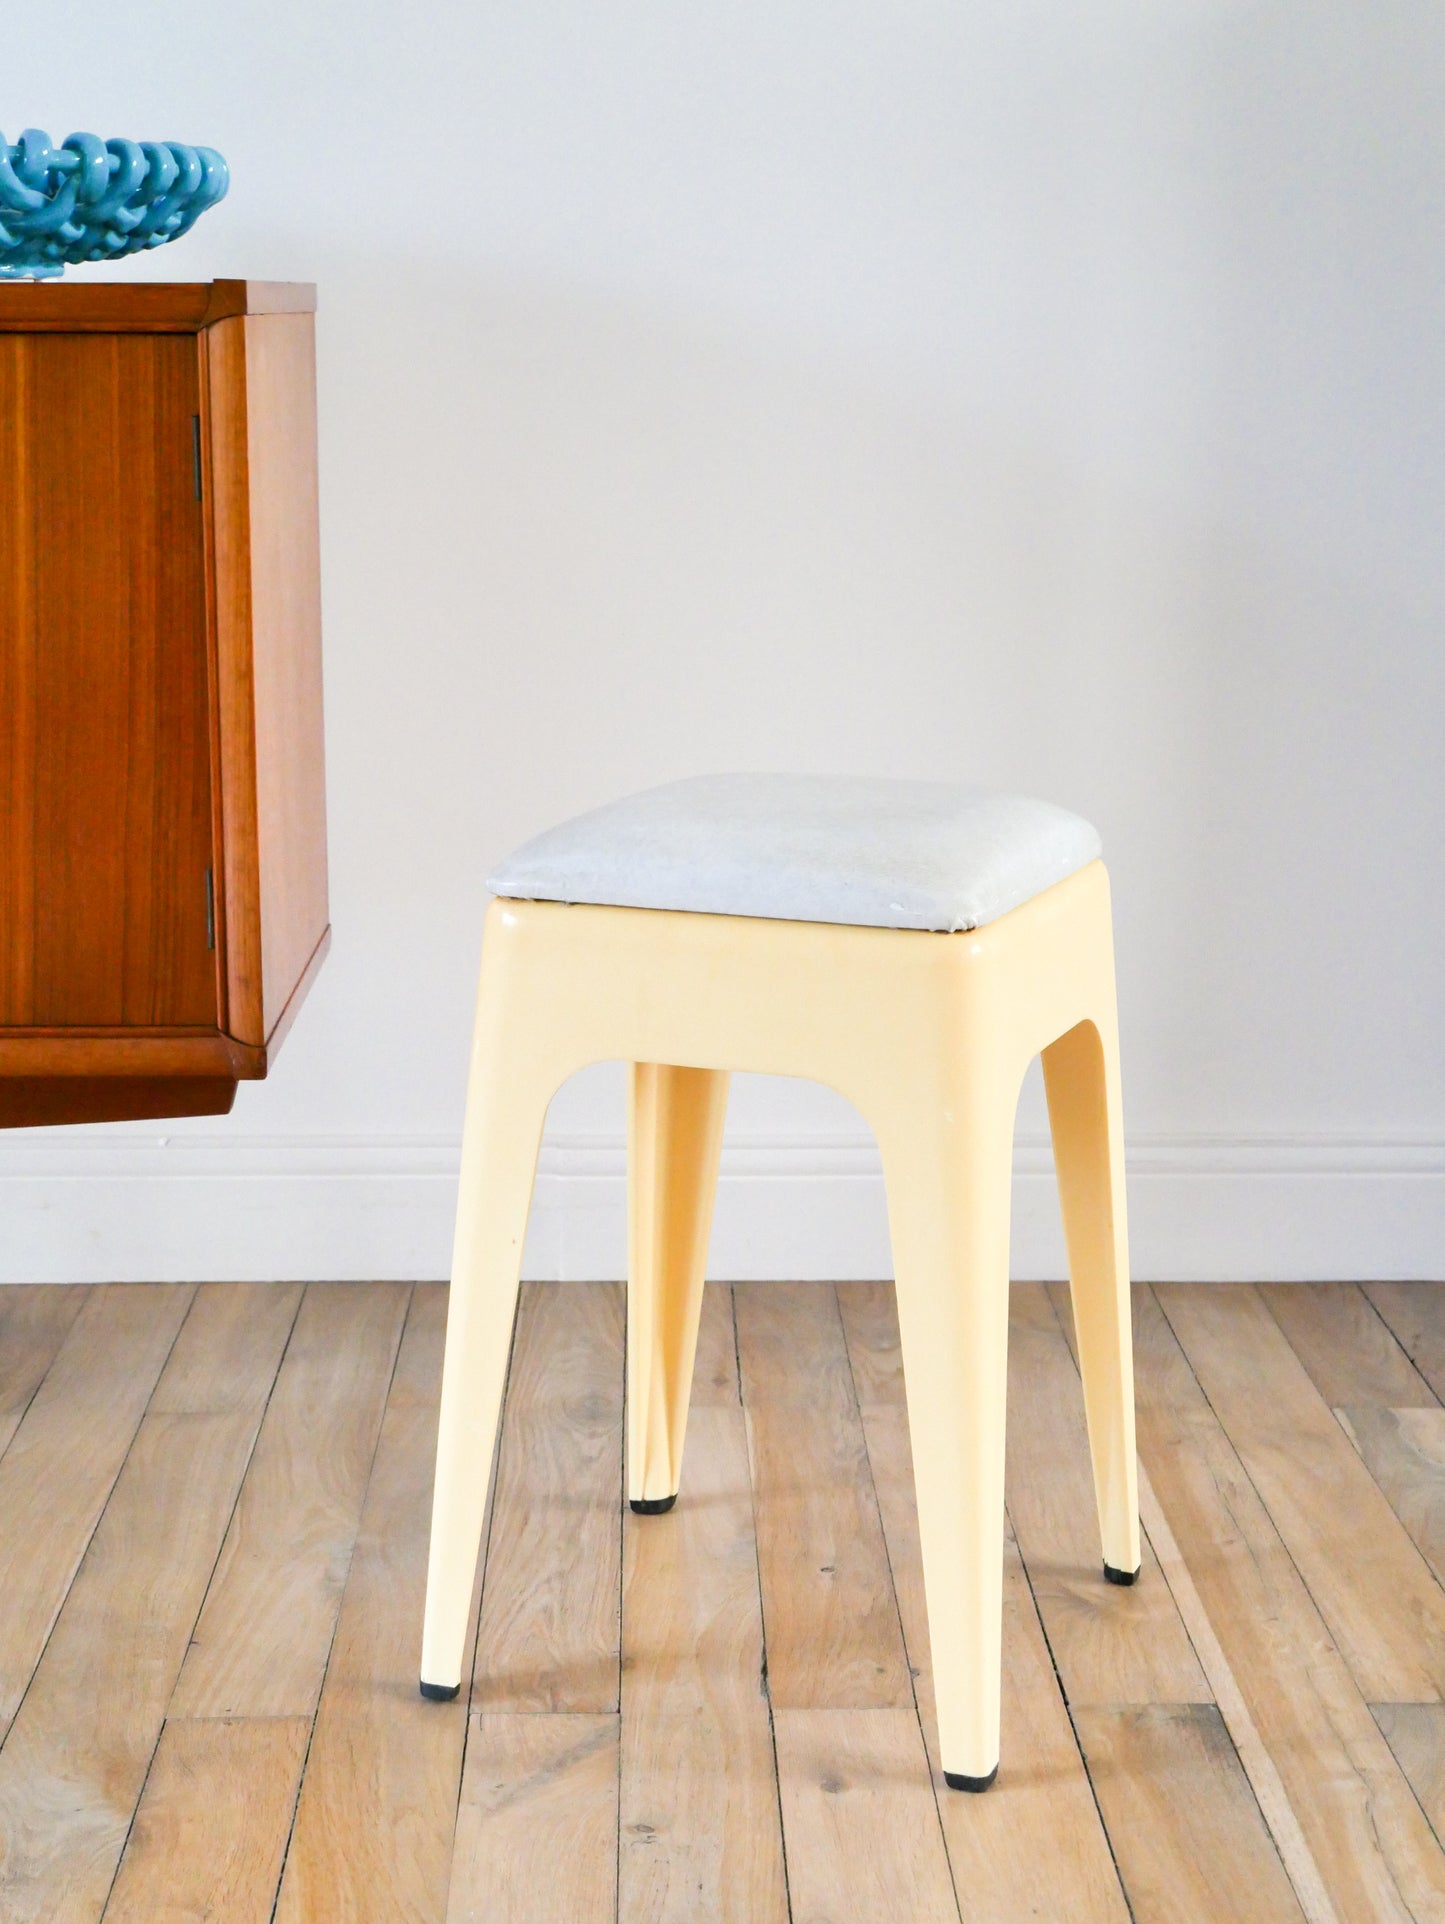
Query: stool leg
pixel 674 1133
pixel 507 1101
pixel 1081 1076
pixel 948 1182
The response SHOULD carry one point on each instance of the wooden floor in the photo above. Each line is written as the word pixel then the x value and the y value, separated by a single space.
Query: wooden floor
pixel 213 1525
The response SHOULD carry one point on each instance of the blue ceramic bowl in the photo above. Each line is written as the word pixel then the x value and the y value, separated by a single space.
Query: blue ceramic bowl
pixel 94 200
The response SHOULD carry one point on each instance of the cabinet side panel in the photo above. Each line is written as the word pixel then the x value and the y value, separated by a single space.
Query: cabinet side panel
pixel 286 650
pixel 17 689
pixel 229 523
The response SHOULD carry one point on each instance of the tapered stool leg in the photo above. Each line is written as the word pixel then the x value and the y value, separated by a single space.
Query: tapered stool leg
pixel 674 1132
pixel 507 1099
pixel 948 1176
pixel 1081 1076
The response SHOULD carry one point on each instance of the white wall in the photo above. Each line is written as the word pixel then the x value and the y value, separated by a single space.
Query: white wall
pixel 1042 395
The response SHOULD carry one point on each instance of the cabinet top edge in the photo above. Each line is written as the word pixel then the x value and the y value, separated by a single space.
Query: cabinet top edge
pixel 119 307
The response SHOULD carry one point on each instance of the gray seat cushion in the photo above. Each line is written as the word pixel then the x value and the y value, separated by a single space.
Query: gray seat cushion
pixel 808 848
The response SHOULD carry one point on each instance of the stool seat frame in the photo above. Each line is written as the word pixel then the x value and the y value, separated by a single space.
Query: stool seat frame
pixel 929 1036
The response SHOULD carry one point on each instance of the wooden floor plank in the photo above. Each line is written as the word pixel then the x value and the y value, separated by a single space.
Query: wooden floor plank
pixel 779 1324
pixel 1034 1845
pixel 537 1825
pixel 562 1329
pixel 1415 1313
pixel 73 1765
pixel 1385 1611
pixel 700 1837
pixel 1404 1451
pixel 416 1378
pixel 247 1327
pixel 211 1829
pixel 1112 1645
pixel 66 1454
pixel 833 1635
pixel 870 1324
pixel 35 1319
pixel 550 1604
pixel 715 1372
pixel 674 1803
pixel 1350 1352
pixel 863 1837
pixel 375 1820
pixel 1264 1777
pixel 1183 1820
pixel 1416 1735
pixel 261 1645
pixel 1372 1851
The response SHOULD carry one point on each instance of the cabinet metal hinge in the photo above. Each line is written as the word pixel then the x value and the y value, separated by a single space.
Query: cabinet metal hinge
pixel 210 909
pixel 196 453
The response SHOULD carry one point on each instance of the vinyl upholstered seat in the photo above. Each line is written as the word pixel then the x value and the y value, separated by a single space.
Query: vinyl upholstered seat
pixel 913 945
pixel 808 848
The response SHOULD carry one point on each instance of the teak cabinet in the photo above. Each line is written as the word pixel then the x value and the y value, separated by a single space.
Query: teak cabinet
pixel 162 792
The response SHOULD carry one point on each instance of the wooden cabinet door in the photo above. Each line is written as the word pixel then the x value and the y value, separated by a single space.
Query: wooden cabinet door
pixel 105 749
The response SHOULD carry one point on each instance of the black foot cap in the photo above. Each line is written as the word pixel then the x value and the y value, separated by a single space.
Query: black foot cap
pixel 440 1693
pixel 1125 1577
pixel 957 1781
pixel 653 1505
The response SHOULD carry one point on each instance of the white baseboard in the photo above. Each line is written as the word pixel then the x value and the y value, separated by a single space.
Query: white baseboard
pixel 85 1207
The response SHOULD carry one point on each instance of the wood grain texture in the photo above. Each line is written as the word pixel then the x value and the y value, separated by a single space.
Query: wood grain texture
pixel 198 1849
pixel 72 1767
pixel 261 446
pixel 34 1102
pixel 1351 1354
pixel 286 651
pixel 1404 1451
pixel 715 1368
pixel 261 1644
pixel 234 1337
pixel 19 680
pixel 52 1076
pixel 1034 1846
pixel 375 1820
pixel 416 1379
pixel 292 1006
pixel 537 1823
pixel 1186 1829
pixel 699 1829
pixel 1416 1736
pixel 65 1456
pixel 549 1630
pixel 860 1820
pixel 1112 1645
pixel 125 1052
pixel 1260 1768
pixel 1415 1313
pixel 833 1634
pixel 34 1322
pixel 870 1323
pixel 1385 1611
pixel 148 307
pixel 1373 1851
pixel 105 839
pixel 675 1803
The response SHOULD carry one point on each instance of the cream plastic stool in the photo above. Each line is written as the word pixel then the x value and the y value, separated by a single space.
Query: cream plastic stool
pixel 912 945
